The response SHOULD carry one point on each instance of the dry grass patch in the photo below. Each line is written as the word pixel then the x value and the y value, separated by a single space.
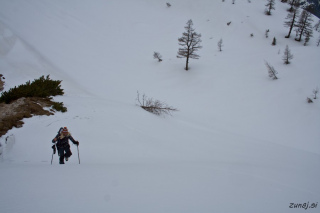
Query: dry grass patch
pixel 11 115
pixel 27 100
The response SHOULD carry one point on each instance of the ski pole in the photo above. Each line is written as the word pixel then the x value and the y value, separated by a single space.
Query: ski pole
pixel 78 153
pixel 51 158
pixel 53 152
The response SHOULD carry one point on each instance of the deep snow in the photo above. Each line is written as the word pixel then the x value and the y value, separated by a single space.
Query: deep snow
pixel 240 141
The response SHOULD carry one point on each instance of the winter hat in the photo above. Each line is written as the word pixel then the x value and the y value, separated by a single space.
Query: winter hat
pixel 65 130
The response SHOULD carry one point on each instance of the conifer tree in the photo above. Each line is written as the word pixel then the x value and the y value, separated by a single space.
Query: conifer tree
pixel 267 33
pixel 158 56
pixel 220 45
pixel 315 92
pixel 272 72
pixel 270 6
pixel 293 4
pixel 304 26
pixel 317 26
pixel 287 56
pixel 307 38
pixel 190 42
pixel 292 19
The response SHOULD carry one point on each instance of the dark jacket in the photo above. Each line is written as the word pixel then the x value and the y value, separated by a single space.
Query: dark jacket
pixel 63 141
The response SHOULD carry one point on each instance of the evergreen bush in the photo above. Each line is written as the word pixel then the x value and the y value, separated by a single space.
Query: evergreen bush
pixel 59 106
pixel 43 87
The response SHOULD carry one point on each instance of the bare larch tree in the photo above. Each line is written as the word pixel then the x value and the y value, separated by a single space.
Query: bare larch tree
pixel 220 45
pixel 272 72
pixel 190 42
pixel 292 19
pixel 270 6
pixel 315 92
pixel 158 56
pixel 287 56
pixel 304 26
pixel 293 4
pixel 317 26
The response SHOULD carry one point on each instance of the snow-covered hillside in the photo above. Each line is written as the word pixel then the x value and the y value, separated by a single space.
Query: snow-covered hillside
pixel 240 141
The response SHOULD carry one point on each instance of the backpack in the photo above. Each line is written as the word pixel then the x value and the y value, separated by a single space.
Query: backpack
pixel 59 133
pixel 60 130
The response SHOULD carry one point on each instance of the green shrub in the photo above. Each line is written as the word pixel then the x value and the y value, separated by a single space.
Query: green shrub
pixel 59 107
pixel 42 88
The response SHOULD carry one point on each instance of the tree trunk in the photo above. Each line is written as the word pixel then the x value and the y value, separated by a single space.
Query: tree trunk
pixel 292 25
pixel 300 36
pixel 187 63
pixel 303 29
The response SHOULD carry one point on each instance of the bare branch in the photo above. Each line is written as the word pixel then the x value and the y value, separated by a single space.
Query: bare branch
pixel 272 72
pixel 154 106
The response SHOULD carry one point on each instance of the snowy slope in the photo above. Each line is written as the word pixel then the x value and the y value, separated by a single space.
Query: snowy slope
pixel 239 143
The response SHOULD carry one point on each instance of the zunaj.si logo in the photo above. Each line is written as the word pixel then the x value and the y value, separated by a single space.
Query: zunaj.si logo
pixel 303 205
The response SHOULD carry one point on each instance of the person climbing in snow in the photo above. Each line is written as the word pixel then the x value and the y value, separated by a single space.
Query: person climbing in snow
pixel 63 145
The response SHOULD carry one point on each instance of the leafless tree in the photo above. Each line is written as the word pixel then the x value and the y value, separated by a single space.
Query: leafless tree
pixel 315 92
pixel 287 55
pixel 272 72
pixel 190 42
pixel 154 106
pixel 270 6
pixel 267 33
pixel 157 55
pixel 292 19
pixel 168 4
pixel 307 38
pixel 220 45
pixel 304 26
pixel 317 26
pixel 293 4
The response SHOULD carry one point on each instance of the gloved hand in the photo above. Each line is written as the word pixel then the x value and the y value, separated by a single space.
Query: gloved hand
pixel 54 149
pixel 77 143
